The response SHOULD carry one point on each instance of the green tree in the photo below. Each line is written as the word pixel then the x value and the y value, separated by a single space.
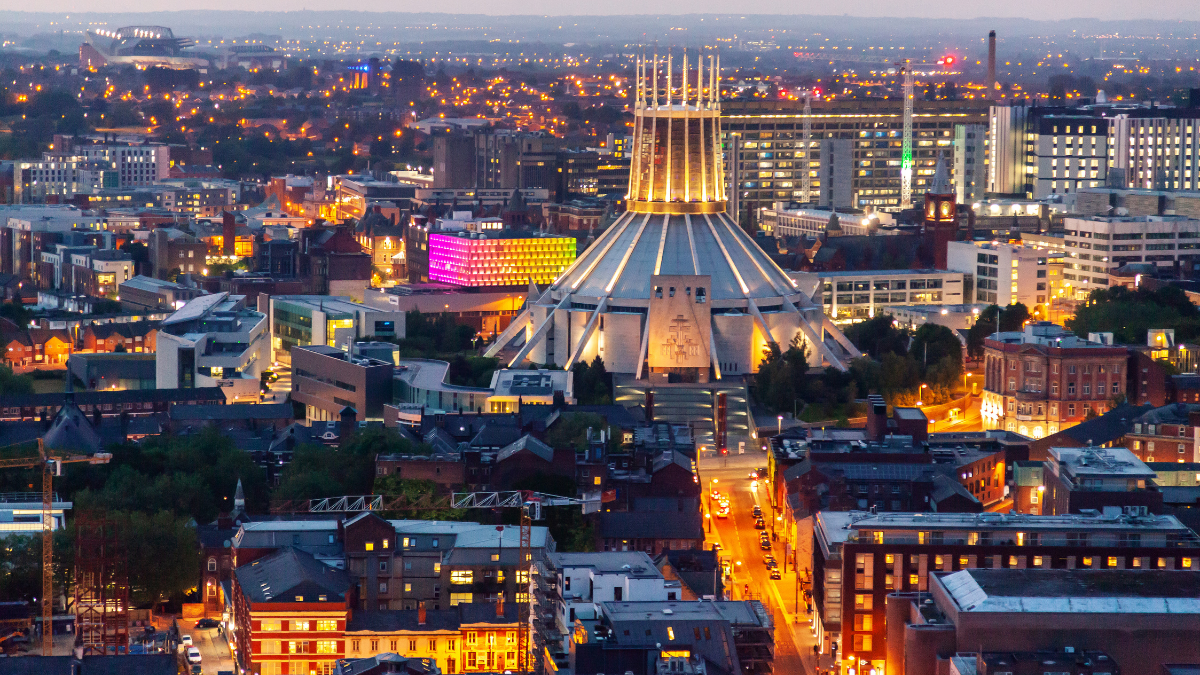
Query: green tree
pixel 163 555
pixel 592 383
pixel 938 351
pixel 878 335
pixel 17 313
pixel 321 471
pixel 12 384
pixel 1129 314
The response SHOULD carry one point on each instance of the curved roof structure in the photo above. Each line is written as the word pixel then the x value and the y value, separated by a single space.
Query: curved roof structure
pixel 620 263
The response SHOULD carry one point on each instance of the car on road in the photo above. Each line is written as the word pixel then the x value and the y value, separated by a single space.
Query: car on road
pixel 765 545
pixel 186 640
pixel 193 655
pixel 768 560
pixel 772 565
pixel 716 546
pixel 207 623
pixel 759 524
pixel 757 511
pixel 776 575
pixel 723 512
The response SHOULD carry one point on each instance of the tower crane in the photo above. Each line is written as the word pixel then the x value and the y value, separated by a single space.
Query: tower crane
pixel 531 505
pixel 906 147
pixel 51 464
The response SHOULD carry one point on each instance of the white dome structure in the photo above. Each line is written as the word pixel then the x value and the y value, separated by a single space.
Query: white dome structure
pixel 674 286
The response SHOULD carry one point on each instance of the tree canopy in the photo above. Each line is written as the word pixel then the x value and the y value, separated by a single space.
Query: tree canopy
pixel 1128 314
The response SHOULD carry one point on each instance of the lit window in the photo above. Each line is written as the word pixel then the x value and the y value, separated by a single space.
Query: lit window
pixel 1037 561
pixel 462 577
pixel 670 633
pixel 370 546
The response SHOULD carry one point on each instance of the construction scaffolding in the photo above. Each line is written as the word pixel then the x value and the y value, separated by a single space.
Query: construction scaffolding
pixel 101 588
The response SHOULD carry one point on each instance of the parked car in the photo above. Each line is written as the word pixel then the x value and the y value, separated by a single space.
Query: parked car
pixel 193 655
pixel 207 623
pixel 186 640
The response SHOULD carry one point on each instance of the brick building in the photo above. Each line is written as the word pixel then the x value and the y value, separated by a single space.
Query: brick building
pixel 860 558
pixel 1166 434
pixel 289 614
pixel 136 337
pixel 1028 622
pixel 1045 379
pixel 467 638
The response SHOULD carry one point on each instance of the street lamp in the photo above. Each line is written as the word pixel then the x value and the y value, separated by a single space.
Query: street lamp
pixel 708 521
pixel 779 420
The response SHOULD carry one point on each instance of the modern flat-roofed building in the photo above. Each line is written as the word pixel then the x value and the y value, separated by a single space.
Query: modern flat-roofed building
pixel 1084 622
pixel 769 157
pixel 334 321
pixel 785 220
pixel 213 341
pixel 858 295
pixel 735 636
pixel 1097 245
pixel 1099 479
pixel 327 380
pixel 147 293
pixel 135 164
pixel 504 258
pixel 1044 379
pixel 859 559
pixel 1005 274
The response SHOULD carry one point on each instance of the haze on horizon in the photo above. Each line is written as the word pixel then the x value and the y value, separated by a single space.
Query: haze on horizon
pixel 1185 10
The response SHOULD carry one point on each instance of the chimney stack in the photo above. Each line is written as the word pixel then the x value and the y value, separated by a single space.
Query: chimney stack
pixel 421 617
pixel 991 74
pixel 228 233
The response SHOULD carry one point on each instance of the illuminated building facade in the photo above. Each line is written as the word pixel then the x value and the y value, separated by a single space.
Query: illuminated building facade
pixel 769 155
pixel 673 289
pixel 1045 379
pixel 502 259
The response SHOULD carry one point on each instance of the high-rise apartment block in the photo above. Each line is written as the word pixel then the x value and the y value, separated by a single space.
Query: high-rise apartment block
pixel 766 161
pixel 970 162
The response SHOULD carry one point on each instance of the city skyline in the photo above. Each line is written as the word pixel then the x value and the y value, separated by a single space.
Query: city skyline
pixel 1109 9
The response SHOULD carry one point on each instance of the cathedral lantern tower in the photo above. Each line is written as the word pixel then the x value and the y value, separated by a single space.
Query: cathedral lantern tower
pixel 676 164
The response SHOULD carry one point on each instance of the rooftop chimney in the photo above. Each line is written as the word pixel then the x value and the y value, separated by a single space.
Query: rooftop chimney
pixel 228 233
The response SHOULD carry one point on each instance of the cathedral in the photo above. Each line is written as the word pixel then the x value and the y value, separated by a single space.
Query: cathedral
pixel 674 290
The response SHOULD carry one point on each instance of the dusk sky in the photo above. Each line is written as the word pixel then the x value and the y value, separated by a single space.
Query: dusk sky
pixel 964 9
